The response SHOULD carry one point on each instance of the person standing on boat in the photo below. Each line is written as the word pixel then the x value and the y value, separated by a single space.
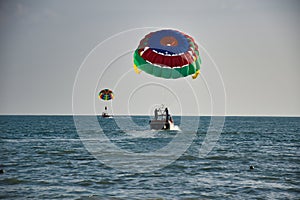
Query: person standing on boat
pixel 167 114
pixel 155 114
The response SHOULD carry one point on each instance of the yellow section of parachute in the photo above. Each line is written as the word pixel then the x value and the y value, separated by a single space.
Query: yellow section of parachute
pixel 136 69
pixel 194 76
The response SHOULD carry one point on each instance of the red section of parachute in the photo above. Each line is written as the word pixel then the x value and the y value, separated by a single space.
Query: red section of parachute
pixel 168 61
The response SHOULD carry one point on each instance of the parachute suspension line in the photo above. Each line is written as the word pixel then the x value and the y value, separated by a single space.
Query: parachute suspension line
pixel 136 69
pixel 164 96
pixel 194 76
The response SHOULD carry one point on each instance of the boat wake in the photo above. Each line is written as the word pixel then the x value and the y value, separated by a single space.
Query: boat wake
pixel 174 127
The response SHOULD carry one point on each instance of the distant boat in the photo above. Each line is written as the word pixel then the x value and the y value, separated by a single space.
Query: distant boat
pixel 105 114
pixel 162 119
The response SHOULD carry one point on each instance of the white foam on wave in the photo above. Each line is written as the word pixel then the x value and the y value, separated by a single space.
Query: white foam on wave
pixel 151 133
pixel 142 133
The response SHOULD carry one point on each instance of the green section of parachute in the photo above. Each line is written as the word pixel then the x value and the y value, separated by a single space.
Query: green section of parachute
pixel 166 72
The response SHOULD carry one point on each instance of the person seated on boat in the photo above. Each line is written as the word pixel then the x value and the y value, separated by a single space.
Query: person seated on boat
pixel 171 119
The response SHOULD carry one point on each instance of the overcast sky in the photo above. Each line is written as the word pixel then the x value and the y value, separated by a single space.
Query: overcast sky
pixel 255 44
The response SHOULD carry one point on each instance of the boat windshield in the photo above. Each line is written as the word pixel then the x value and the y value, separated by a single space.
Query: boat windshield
pixel 160 113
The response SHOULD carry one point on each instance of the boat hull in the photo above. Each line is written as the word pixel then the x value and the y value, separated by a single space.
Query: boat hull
pixel 160 125
pixel 105 115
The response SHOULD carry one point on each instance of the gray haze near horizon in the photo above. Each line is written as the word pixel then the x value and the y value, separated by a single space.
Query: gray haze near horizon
pixel 256 45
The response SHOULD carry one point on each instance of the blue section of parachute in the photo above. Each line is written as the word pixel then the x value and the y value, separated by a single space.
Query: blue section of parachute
pixel 182 47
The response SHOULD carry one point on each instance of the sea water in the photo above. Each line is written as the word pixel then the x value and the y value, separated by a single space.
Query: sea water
pixel 44 157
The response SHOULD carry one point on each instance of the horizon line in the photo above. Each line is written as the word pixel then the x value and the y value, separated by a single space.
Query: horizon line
pixel 205 115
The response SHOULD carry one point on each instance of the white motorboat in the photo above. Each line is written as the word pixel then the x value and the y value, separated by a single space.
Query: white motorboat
pixel 162 119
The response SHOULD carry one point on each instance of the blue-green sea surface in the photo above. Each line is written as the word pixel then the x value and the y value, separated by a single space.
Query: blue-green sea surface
pixel 44 158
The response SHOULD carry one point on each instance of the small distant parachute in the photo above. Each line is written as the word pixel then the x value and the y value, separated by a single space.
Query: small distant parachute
pixel 168 54
pixel 106 95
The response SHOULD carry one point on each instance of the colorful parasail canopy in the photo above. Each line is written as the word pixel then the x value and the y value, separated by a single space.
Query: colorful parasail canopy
pixel 168 54
pixel 106 94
